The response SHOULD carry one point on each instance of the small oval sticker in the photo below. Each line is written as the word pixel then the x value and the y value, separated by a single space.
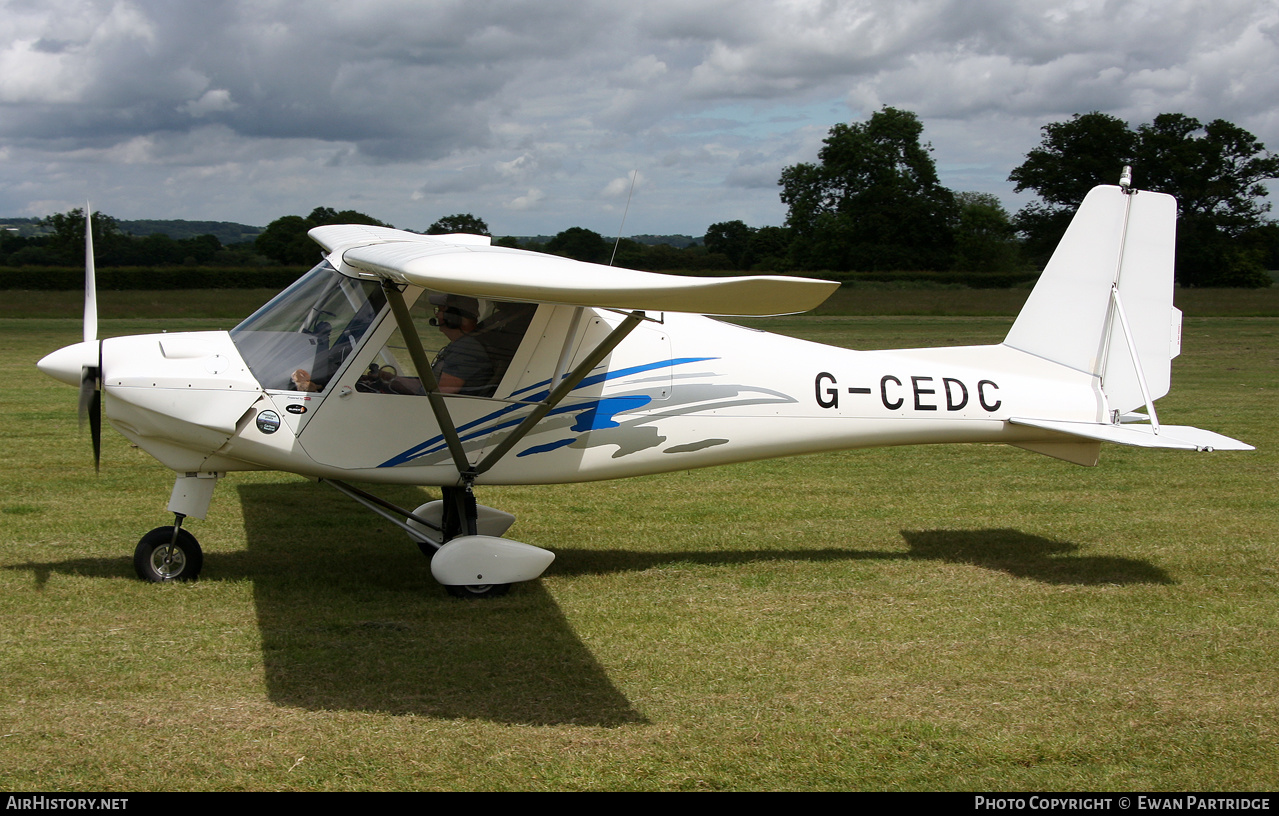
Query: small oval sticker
pixel 268 422
pixel 295 408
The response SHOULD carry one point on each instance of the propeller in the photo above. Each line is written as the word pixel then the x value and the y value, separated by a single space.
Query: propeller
pixel 91 375
pixel 91 406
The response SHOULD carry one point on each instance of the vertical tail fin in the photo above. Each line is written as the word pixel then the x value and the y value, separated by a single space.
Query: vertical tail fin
pixel 1103 306
pixel 1104 302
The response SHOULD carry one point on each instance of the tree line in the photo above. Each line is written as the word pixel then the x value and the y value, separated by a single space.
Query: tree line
pixel 285 241
pixel 60 243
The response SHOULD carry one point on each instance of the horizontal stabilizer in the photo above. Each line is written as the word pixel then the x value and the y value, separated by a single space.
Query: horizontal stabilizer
pixel 1175 437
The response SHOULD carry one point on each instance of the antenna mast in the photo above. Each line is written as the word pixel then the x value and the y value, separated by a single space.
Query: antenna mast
pixel 634 175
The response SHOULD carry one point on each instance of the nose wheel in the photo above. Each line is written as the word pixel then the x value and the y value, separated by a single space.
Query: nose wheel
pixel 478 590
pixel 168 554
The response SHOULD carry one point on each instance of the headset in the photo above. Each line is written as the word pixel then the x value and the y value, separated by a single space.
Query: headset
pixel 449 317
pixel 448 314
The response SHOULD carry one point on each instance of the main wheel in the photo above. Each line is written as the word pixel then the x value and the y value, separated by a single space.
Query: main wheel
pixel 156 562
pixel 478 590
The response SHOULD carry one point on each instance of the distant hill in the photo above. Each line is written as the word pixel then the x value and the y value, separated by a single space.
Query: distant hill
pixel 677 241
pixel 228 232
pixel 25 227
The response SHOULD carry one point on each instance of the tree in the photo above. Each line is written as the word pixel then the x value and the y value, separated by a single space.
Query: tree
pixel 985 240
pixel 731 239
pixel 461 222
pixel 1215 171
pixel 580 244
pixel 66 245
pixel 769 246
pixel 873 200
pixel 1074 156
pixel 285 239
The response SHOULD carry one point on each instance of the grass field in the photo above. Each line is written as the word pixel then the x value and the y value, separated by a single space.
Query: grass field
pixel 940 618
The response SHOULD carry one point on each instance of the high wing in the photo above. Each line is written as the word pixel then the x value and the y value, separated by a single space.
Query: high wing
pixel 469 265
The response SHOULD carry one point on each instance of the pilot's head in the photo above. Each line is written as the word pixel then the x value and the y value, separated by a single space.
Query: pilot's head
pixel 456 313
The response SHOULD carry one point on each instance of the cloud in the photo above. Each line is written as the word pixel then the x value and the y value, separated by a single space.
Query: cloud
pixel 534 110
pixel 210 102
pixel 528 201
pixel 622 187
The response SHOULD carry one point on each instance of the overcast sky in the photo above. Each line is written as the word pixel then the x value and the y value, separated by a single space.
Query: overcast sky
pixel 533 115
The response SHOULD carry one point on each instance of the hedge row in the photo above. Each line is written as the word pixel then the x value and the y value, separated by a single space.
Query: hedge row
pixel 278 277
pixel 972 280
pixel 141 277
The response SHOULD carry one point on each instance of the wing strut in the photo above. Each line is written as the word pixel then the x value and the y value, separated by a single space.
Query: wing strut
pixel 560 391
pixel 424 371
pixel 557 394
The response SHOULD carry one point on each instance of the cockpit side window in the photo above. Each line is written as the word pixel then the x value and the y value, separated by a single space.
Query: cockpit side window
pixel 301 338
pixel 469 341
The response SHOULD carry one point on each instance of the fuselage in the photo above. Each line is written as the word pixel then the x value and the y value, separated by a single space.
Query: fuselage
pixel 681 391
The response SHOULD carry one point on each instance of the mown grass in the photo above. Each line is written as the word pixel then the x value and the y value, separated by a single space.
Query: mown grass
pixel 948 618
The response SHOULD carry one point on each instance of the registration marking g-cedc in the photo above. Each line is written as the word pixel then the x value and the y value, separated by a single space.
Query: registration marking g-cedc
pixel 919 392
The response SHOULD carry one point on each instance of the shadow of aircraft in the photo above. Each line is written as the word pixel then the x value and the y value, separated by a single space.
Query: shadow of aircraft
pixel 1011 551
pixel 352 619
pixel 1029 556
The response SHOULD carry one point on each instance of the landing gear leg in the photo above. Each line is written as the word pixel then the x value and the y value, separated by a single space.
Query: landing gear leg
pixel 464 541
pixel 460 515
pixel 460 512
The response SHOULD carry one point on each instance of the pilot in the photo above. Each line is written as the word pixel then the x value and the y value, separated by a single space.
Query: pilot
pixel 463 366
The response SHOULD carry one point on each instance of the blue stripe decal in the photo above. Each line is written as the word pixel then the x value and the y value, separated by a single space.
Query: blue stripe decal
pixel 547 447
pixel 600 415
pixel 473 430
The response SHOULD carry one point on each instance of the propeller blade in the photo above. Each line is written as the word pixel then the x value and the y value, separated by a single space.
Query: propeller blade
pixel 95 429
pixel 90 280
pixel 91 406
pixel 91 377
pixel 88 387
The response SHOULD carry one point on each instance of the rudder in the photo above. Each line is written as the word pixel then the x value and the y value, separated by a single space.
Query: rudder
pixel 1103 305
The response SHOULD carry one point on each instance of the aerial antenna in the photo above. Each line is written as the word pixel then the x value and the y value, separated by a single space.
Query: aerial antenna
pixel 1125 179
pixel 634 175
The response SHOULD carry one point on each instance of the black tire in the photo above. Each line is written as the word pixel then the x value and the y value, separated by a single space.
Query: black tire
pixel 184 562
pixel 478 590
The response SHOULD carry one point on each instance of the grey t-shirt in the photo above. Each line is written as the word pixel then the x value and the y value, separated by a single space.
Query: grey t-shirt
pixel 465 359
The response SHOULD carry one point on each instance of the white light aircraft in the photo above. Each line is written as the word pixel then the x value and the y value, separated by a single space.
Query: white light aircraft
pixel 548 370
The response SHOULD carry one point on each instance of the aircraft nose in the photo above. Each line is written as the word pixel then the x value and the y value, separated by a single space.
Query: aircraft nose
pixel 67 364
